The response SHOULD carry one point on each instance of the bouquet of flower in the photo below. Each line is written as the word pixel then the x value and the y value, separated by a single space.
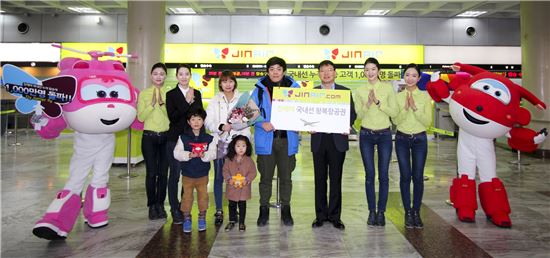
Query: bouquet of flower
pixel 245 113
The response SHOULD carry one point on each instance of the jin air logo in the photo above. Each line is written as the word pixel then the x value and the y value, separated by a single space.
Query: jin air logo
pixel 221 53
pixel 331 54
pixel 288 93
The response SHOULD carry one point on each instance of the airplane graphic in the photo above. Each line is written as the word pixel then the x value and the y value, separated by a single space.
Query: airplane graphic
pixel 306 123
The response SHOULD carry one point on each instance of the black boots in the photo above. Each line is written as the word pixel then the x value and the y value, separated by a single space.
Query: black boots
pixel 264 216
pixel 161 212
pixel 376 219
pixel 417 221
pixel 371 221
pixel 409 223
pixel 286 217
pixel 380 219
pixel 153 215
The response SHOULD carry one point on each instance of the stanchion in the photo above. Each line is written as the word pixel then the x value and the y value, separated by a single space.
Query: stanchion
pixel 128 174
pixel 15 143
pixel 277 203
pixel 518 161
pixel 436 122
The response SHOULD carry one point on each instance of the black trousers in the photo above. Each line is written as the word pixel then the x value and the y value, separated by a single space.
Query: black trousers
pixel 233 211
pixel 173 178
pixel 153 148
pixel 328 164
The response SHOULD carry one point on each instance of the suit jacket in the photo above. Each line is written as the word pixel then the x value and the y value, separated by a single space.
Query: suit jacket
pixel 177 108
pixel 340 140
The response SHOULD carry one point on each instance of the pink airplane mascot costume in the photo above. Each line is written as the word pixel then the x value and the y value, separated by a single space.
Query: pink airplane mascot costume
pixel 485 106
pixel 105 103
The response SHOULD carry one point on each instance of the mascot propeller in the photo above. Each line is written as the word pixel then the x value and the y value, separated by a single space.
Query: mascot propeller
pixel 485 106
pixel 96 99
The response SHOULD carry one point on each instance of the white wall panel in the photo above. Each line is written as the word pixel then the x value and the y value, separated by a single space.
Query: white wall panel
pixel 185 34
pixel 313 36
pixel 92 30
pixel 459 32
pixel 1 28
pixel 501 32
pixel 61 28
pixel 398 31
pixel 249 29
pixel 286 30
pixel 472 55
pixel 122 28
pixel 361 30
pixel 434 31
pixel 25 52
pixel 10 33
pixel 272 30
pixel 211 29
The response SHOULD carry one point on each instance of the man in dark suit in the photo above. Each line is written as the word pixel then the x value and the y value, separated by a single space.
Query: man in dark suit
pixel 329 153
pixel 178 102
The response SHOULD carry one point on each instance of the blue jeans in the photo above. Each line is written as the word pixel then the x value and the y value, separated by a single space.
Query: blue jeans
pixel 173 177
pixel 218 182
pixel 382 140
pixel 411 148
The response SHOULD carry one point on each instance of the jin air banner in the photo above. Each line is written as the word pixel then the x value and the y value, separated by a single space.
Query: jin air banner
pixel 259 53
pixel 343 75
pixel 302 109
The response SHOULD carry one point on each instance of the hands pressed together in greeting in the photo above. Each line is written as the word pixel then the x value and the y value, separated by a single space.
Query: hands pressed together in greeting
pixel 372 99
pixel 409 102
pixel 190 96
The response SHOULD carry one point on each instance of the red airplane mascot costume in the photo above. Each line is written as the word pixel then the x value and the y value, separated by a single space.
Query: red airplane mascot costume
pixel 485 106
pixel 105 103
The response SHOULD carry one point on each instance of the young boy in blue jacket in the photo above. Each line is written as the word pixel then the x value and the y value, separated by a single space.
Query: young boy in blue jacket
pixel 195 149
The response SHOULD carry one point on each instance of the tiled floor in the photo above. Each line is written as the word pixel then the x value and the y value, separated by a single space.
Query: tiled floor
pixel 33 172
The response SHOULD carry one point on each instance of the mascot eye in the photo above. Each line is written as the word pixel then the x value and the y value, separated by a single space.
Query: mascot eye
pixel 93 91
pixel 493 88
pixel 113 94
pixel 120 91
pixel 101 94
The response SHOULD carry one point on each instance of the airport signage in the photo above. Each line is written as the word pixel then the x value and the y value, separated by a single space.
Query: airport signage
pixel 258 54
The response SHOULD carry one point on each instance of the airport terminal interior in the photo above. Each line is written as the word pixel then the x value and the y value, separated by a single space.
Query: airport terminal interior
pixel 508 38
pixel 34 171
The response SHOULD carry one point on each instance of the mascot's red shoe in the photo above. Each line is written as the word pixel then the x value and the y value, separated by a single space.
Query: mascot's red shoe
pixel 494 202
pixel 463 196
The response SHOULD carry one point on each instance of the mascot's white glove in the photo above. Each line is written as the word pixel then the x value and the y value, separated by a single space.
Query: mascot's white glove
pixel 38 120
pixel 435 76
pixel 541 136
